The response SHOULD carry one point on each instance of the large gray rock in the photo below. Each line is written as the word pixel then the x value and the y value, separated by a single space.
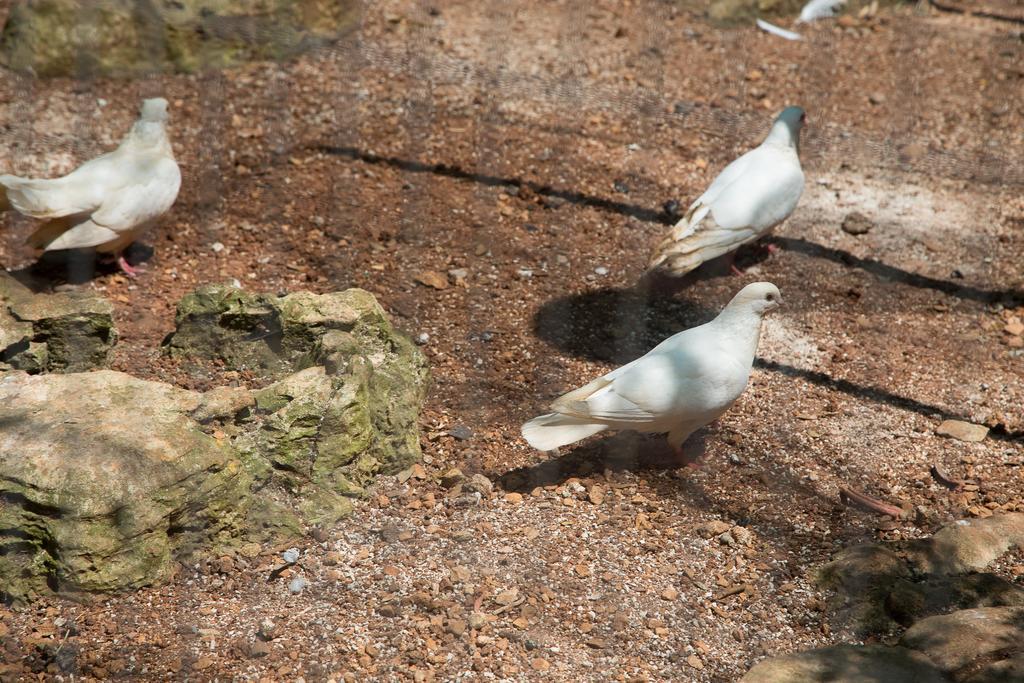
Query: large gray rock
pixel 63 332
pixel 968 544
pixel 135 37
pixel 847 664
pixel 103 478
pixel 862 578
pixel 106 479
pixel 955 641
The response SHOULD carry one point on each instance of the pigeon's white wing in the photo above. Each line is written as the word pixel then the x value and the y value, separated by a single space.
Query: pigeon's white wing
pixel 764 195
pixel 148 187
pixel 819 9
pixel 662 383
pixel 727 177
pixel 83 235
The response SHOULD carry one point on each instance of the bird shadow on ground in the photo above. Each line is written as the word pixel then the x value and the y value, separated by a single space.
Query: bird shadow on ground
pixel 619 325
pixel 1009 297
pixel 662 217
pixel 615 325
pixel 75 266
pixel 623 451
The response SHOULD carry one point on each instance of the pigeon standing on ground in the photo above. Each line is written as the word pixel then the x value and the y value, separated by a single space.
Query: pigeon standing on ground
pixel 748 199
pixel 105 203
pixel 682 384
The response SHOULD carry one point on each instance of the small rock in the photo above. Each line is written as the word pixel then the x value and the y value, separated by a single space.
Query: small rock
pixel 452 477
pixel 727 539
pixel 332 557
pixel 596 494
pixel 296 585
pixel 507 597
pixel 456 626
pixel 217 247
pixel 259 649
pixel 742 535
pixel 601 270
pixel 514 498
pixel 432 278
pixel 290 556
pixel 715 527
pixel 669 593
pixel 477 620
pixel 478 483
pixel 876 98
pixel 1015 329
pixel 695 662
pixel 250 550
pixel 458 276
pixel 857 223
pixel 388 610
pixel 540 664
pixel 461 432
pixel 422 338
pixel 962 431
pixel 597 643
pixel 524 273
pixel 267 630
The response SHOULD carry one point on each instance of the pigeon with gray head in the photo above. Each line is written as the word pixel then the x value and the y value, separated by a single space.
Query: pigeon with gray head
pixel 681 385
pixel 747 200
pixel 107 202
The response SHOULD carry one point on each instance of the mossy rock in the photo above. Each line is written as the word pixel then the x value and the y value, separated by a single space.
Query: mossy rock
pixel 138 37
pixel 62 332
pixel 108 480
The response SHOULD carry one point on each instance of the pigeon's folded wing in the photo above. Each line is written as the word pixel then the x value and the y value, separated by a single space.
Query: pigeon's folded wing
pixel 145 189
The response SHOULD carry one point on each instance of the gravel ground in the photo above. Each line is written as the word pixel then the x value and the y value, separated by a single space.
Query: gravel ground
pixel 521 157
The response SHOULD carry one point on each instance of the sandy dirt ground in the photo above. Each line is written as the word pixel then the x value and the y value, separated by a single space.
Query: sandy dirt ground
pixel 531 153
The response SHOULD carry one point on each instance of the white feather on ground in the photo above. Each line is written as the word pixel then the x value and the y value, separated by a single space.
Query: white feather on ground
pixel 107 202
pixel 778 31
pixel 684 383
pixel 747 200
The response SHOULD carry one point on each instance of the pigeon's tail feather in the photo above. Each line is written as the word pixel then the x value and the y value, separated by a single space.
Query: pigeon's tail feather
pixel 548 432
pixel 679 256
pixel 39 198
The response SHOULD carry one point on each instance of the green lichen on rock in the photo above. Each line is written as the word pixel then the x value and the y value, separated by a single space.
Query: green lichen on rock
pixel 137 37
pixel 106 480
pixel 62 332
pixel 98 471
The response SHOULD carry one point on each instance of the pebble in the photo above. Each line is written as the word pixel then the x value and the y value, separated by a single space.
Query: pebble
pixel 478 483
pixel 962 431
pixel 514 498
pixel 452 477
pixel 857 223
pixel 477 620
pixel 601 270
pixel 217 247
pixel 695 662
pixel 669 593
pixel 422 338
pixel 296 585
pixel 540 664
pixel 267 629
pixel 291 556
pixel 332 557
pixel 461 432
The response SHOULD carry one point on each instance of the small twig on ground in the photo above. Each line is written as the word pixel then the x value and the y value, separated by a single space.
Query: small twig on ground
pixel 851 497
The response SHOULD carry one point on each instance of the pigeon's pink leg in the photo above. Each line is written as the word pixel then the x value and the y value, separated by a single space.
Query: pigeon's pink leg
pixel 732 265
pixel 127 267
pixel 772 247
pixel 691 452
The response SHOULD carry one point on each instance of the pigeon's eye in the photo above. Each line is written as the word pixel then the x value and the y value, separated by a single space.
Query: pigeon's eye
pixel 770 297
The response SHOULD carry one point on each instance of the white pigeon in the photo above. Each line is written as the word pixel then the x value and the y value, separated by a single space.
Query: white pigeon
pixel 107 202
pixel 747 200
pixel 682 384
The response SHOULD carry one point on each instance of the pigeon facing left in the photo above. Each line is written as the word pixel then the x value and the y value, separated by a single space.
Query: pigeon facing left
pixel 105 203
pixel 748 199
pixel 682 384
